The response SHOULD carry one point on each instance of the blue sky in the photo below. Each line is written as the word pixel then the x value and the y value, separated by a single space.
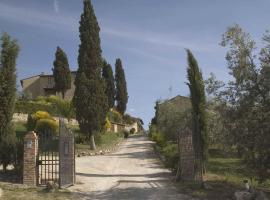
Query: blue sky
pixel 150 36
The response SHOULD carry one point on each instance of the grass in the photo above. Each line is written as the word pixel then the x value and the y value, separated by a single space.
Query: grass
pixel 19 192
pixel 103 141
pixel 233 170
pixel 224 176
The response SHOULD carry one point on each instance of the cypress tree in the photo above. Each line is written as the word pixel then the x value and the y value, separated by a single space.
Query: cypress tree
pixel 121 87
pixel 8 56
pixel 198 101
pixel 107 74
pixel 61 72
pixel 90 100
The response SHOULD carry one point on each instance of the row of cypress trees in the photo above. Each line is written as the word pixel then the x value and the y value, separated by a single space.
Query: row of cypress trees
pixel 96 88
pixel 95 91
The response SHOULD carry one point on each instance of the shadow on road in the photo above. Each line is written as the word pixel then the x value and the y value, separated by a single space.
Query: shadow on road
pixel 155 175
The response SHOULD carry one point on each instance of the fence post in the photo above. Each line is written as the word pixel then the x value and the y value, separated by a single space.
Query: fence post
pixel 30 172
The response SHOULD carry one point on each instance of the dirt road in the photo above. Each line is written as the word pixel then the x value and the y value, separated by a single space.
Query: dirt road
pixel 133 173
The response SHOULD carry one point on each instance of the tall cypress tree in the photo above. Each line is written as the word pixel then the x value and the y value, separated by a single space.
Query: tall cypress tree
pixel 121 87
pixel 198 101
pixel 107 74
pixel 61 72
pixel 8 56
pixel 90 100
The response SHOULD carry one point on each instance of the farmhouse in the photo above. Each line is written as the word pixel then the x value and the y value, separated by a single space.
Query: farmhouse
pixel 43 85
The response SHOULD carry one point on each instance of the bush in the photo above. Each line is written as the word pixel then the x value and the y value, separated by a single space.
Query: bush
pixel 41 121
pixel 159 138
pixel 132 131
pixel 107 125
pixel 45 124
pixel 126 134
pixel 170 152
pixel 115 116
pixel 23 106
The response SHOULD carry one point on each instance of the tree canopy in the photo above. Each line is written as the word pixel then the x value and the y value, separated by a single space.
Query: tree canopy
pixel 90 100
pixel 121 87
pixel 61 72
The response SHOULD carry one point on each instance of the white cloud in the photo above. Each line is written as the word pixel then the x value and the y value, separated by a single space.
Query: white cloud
pixel 163 40
pixel 62 22
pixel 39 19
pixel 131 109
pixel 56 6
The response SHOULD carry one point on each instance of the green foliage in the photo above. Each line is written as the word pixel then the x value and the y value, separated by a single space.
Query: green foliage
pixel 198 102
pixel 107 74
pixel 52 104
pixel 45 124
pixel 129 119
pixel 170 118
pixel 27 106
pixel 65 108
pixel 132 131
pixel 126 134
pixel 9 52
pixel 41 121
pixel 170 152
pixel 61 72
pixel 121 87
pixel 158 137
pixel 90 100
pixel 114 116
pixel 107 125
pixel 246 112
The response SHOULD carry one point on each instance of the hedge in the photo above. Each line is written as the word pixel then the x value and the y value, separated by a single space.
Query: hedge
pixel 29 107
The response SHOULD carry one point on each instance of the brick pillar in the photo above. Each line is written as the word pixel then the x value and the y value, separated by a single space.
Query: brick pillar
pixel 187 156
pixel 30 159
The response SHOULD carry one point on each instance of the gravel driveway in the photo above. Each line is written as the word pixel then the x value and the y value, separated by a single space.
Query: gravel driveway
pixel 133 172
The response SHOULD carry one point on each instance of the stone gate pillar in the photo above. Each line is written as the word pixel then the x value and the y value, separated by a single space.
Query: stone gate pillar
pixel 187 156
pixel 30 172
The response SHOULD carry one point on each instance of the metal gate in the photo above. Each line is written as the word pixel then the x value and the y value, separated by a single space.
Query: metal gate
pixel 56 157
pixel 48 157
pixel 66 155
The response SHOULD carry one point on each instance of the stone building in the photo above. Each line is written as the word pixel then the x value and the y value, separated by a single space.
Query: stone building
pixel 43 85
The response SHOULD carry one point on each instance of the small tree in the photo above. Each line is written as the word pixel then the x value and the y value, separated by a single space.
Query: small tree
pixel 9 53
pixel 121 87
pixel 198 102
pixel 107 74
pixel 90 100
pixel 61 72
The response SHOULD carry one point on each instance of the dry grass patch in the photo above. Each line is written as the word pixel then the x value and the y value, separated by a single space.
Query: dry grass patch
pixel 20 192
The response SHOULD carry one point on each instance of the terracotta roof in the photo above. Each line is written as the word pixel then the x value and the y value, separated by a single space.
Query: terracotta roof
pixel 42 75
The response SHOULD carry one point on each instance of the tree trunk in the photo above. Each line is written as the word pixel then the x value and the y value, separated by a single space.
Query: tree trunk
pixel 63 95
pixel 92 143
pixel 4 168
pixel 178 174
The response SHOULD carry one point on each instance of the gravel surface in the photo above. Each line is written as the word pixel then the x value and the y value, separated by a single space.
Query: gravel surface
pixel 133 172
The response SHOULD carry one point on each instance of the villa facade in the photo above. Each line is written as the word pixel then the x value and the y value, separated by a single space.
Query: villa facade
pixel 43 85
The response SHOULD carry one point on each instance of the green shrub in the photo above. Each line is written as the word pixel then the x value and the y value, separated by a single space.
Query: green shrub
pixel 23 106
pixel 41 121
pixel 171 155
pixel 132 131
pixel 159 138
pixel 45 124
pixel 126 134
pixel 115 116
